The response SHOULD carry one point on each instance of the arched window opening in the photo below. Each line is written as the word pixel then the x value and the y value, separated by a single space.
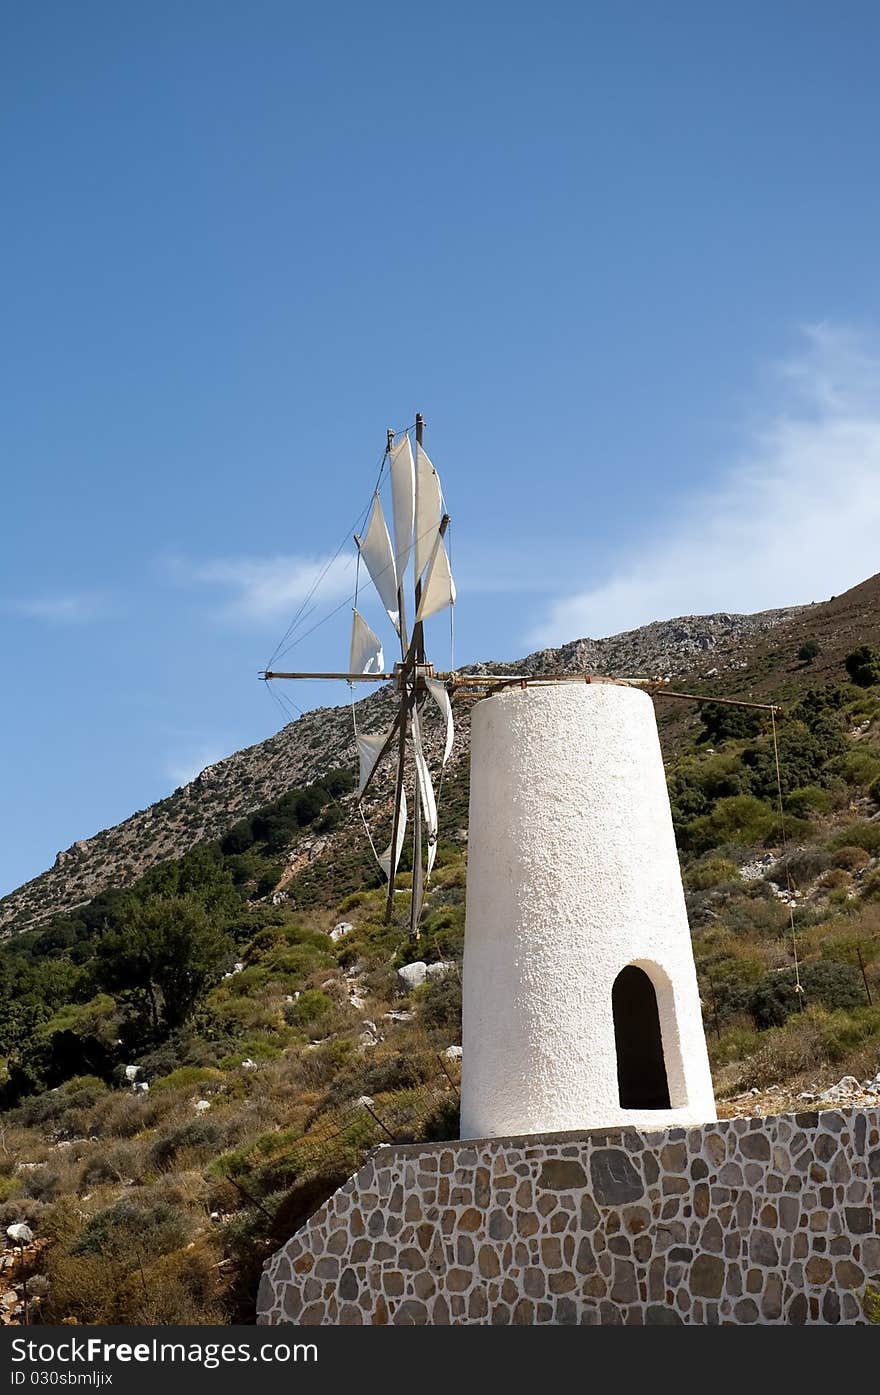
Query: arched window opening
pixel 641 1069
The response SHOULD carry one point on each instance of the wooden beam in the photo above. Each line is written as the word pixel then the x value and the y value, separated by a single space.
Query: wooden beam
pixel 398 790
pixel 268 674
pixel 532 680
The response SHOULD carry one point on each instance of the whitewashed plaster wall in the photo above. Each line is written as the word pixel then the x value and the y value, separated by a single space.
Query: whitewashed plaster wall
pixel 573 874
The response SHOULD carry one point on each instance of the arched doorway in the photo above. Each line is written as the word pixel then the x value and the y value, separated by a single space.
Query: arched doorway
pixel 641 1069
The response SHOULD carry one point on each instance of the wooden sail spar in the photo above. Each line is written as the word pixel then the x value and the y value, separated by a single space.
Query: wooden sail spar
pixel 419 527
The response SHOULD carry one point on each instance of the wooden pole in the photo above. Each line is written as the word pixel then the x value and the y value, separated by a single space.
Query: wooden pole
pixel 418 652
pixel 864 977
pixel 401 749
pixel 348 677
pixel 398 791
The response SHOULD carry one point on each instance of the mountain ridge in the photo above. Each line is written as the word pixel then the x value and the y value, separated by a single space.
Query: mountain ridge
pixel 320 740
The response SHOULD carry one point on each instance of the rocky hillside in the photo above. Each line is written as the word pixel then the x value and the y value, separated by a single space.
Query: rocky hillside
pixel 190 1065
pixel 701 646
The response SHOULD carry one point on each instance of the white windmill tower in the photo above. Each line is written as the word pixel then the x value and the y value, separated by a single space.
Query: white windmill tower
pixel 581 1007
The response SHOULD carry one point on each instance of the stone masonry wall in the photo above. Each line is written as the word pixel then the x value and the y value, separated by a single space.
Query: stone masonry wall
pixel 772 1220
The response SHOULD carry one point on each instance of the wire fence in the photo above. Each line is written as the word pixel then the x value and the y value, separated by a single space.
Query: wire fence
pixel 342 1139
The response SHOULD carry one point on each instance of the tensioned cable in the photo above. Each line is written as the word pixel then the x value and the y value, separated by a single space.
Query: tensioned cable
pixel 347 601
pixel 287 712
pixel 359 523
pixel 797 971
pixel 357 575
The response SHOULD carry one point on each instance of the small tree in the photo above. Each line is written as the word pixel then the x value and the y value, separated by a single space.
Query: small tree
pixel 723 723
pixel 167 952
pixel 863 666
pixel 808 651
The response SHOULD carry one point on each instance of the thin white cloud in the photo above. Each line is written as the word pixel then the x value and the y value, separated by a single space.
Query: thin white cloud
pixel 74 608
pixel 795 518
pixel 186 765
pixel 268 589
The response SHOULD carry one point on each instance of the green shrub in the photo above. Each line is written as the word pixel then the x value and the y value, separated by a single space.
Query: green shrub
pixel 859 766
pixel 850 858
pixel 808 651
pixel 844 1032
pixel 871 886
pixel 739 820
pixel 835 879
pixel 134 1225
pixel 801 867
pixel 87 1087
pixel 830 984
pixel 865 835
pixel 712 871
pixel 723 723
pixel 197 1136
pixel 863 666
pixel 313 1011
pixel 439 1007
pixel 809 799
pixel 187 1078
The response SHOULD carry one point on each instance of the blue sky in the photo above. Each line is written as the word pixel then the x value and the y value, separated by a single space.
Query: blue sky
pixel 622 256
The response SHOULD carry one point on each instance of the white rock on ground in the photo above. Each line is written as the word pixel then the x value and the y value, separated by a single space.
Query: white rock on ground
pixel 344 927
pixel 20 1233
pixel 441 969
pixel 412 975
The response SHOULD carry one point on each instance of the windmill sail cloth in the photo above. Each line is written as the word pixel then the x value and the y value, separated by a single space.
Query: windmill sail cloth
pixel 385 857
pixel 366 654
pixel 438 588
pixel 375 549
pixel 426 793
pixel 429 510
pixel 369 751
pixel 403 496
pixel 438 692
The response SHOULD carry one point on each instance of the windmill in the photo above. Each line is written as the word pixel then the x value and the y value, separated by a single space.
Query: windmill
pixel 417 555
pixel 413 553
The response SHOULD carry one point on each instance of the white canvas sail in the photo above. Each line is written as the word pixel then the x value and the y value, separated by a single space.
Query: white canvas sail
pixel 429 510
pixel 426 794
pixel 403 492
pixel 439 693
pixel 438 588
pixel 366 654
pixel 375 549
pixel 369 749
pixel 385 857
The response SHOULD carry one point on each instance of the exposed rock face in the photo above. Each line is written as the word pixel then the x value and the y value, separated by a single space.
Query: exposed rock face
pixel 734 1222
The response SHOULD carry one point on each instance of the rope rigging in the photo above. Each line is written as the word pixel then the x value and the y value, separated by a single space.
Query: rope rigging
pixel 794 944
